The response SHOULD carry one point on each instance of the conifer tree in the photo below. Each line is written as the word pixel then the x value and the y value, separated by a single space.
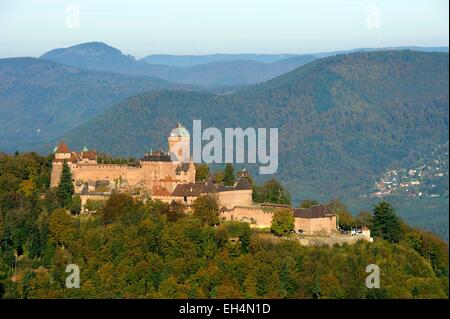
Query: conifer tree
pixel 65 187
pixel 228 178
pixel 385 223
pixel 201 172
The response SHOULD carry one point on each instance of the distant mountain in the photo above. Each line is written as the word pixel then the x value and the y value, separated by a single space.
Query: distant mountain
pixel 232 73
pixel 220 70
pixel 98 56
pixel 343 120
pixel 40 99
pixel 401 48
pixel 191 60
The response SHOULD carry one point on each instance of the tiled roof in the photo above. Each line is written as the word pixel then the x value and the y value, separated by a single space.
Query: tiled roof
pixel 62 148
pixel 158 156
pixel 316 211
pixel 92 155
pixel 160 191
pixel 184 167
pixel 189 190
pixel 209 186
pixel 243 184
pixel 73 158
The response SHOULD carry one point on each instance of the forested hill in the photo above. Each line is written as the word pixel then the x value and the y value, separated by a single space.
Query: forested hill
pixel 41 99
pixel 213 70
pixel 342 120
pixel 129 248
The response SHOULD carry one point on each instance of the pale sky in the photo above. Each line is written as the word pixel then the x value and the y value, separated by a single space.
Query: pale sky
pixel 139 28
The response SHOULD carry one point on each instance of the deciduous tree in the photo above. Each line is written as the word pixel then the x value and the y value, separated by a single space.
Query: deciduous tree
pixel 282 222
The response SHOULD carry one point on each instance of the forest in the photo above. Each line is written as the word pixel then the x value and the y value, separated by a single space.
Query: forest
pixel 132 249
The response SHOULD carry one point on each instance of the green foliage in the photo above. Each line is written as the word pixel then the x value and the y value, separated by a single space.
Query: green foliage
pixel 364 218
pixel 228 178
pixel 308 203
pixel 155 250
pixel 201 172
pixel 271 192
pixel 430 247
pixel 62 227
pixel 282 222
pixel 245 237
pixel 117 204
pixel 385 223
pixel 75 205
pixel 93 205
pixel 65 187
pixel 206 208
pixel 343 121
pixel 1 225
pixel 344 217
pixel 63 97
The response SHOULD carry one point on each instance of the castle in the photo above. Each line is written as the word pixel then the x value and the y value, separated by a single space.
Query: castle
pixel 166 176
pixel 170 176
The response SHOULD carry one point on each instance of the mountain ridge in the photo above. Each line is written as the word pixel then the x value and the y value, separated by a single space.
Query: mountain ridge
pixel 342 120
pixel 228 72
pixel 40 99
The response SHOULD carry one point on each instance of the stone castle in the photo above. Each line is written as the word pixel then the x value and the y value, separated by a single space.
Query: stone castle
pixel 166 176
pixel 170 176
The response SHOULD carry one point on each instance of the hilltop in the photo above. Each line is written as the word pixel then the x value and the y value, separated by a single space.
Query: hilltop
pixel 41 99
pixel 343 120
pixel 214 70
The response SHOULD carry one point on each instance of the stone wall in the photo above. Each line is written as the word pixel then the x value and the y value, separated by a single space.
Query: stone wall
pixel 255 215
pixel 315 225
pixel 146 176
pixel 231 199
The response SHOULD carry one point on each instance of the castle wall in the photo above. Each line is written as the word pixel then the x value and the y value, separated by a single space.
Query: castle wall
pixel 315 225
pixel 252 214
pixel 230 199
pixel 55 174
pixel 145 176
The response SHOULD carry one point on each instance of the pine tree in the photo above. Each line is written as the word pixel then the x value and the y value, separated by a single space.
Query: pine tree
pixel 201 172
pixel 385 223
pixel 228 178
pixel 65 187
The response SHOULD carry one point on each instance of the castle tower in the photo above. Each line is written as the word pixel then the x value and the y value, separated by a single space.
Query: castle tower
pixel 62 153
pixel 180 144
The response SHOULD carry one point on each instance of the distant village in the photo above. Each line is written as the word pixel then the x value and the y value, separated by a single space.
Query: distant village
pixel 427 179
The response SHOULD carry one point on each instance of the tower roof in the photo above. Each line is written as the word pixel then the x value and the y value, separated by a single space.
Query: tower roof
pixel 62 148
pixel 179 131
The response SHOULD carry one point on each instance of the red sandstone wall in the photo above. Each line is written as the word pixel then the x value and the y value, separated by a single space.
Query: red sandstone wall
pixel 254 215
pixel 230 199
pixel 316 225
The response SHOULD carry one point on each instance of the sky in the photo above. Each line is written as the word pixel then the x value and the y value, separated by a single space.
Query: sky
pixel 140 28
